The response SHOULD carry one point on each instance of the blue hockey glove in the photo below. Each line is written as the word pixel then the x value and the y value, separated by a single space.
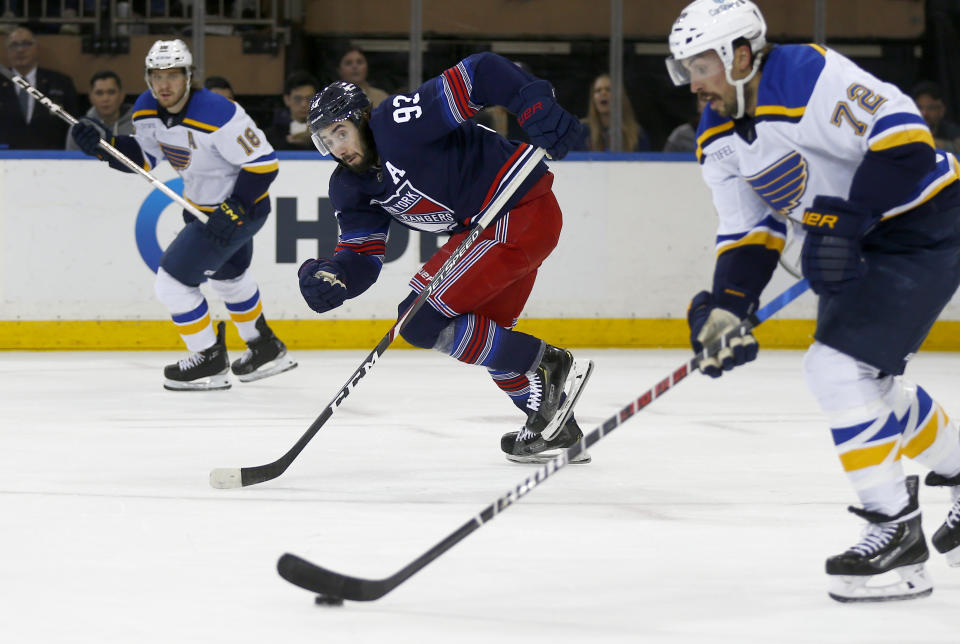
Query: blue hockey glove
pixel 87 134
pixel 321 284
pixel 831 258
pixel 548 125
pixel 708 323
pixel 226 220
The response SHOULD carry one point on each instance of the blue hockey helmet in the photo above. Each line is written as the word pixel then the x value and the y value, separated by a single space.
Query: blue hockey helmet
pixel 339 101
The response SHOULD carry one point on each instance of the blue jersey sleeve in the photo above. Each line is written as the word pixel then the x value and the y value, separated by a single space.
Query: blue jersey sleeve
pixel 362 242
pixel 443 103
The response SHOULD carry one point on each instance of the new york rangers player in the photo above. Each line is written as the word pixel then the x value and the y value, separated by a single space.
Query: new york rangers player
pixel 227 166
pixel 419 159
pixel 801 132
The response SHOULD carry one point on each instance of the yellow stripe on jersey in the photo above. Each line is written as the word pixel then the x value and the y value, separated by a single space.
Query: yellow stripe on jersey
pixel 708 134
pixel 139 114
pixel 858 459
pixel 262 169
pixel 202 126
pixel 262 197
pixel 904 137
pixel 780 110
pixel 760 238
pixel 199 207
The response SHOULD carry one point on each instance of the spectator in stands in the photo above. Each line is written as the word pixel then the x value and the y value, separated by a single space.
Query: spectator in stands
pixel 597 122
pixel 683 138
pixel 353 68
pixel 290 131
pixel 107 109
pixel 221 86
pixel 24 124
pixel 929 99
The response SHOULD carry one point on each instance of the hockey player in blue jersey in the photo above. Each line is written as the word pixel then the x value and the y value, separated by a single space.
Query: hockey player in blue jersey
pixel 801 132
pixel 227 166
pixel 419 159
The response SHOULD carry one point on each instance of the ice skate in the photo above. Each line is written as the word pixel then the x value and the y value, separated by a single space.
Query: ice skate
pixel 201 371
pixel 558 374
pixel 525 447
pixel 266 356
pixel 889 547
pixel 947 537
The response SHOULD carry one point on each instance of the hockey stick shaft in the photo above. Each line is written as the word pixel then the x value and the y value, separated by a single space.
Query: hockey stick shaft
pixel 309 576
pixel 224 478
pixel 58 111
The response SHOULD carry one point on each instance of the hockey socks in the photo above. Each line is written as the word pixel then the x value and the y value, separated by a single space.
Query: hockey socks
pixel 477 339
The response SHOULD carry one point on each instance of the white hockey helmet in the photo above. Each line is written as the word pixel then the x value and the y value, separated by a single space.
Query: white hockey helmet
pixel 168 54
pixel 713 24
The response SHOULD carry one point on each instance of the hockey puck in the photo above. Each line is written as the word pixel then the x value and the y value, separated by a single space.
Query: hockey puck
pixel 328 600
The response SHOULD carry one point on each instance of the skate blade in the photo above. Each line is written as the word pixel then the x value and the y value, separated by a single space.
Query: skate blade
pixel 213 383
pixel 913 584
pixel 545 457
pixel 279 365
pixel 576 380
pixel 953 557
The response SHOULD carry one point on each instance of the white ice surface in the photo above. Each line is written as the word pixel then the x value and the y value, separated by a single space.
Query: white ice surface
pixel 706 518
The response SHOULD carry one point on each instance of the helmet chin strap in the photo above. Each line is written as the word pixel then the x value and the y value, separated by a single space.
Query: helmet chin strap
pixel 176 107
pixel 740 84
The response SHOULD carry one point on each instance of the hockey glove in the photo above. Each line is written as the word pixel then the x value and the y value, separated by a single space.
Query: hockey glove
pixel 831 258
pixel 548 125
pixel 321 284
pixel 87 134
pixel 708 324
pixel 226 220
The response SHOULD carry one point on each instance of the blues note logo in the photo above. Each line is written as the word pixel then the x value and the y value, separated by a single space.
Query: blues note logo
pixel 179 158
pixel 782 184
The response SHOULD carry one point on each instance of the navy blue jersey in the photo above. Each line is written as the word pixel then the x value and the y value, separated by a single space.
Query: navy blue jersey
pixel 437 168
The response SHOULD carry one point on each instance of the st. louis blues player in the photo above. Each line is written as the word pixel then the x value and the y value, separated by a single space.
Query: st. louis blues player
pixel 801 132
pixel 419 159
pixel 227 166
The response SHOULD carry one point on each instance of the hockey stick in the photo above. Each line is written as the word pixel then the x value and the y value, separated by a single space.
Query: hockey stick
pixel 58 111
pixel 309 576
pixel 224 478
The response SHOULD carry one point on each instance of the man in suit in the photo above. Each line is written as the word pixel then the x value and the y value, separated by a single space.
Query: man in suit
pixel 25 124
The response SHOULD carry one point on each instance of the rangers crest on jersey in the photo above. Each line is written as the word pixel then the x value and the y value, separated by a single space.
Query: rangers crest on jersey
pixel 782 184
pixel 416 209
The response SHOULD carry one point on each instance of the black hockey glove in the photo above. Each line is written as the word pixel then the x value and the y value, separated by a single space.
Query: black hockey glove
pixel 831 258
pixel 548 125
pixel 87 134
pixel 708 323
pixel 226 220
pixel 321 284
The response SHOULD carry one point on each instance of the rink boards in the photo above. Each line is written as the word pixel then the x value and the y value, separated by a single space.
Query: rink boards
pixel 79 245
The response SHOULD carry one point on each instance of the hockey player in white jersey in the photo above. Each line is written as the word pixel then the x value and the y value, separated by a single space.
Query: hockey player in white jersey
pixel 227 166
pixel 800 132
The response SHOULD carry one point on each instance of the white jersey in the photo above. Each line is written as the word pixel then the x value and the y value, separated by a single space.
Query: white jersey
pixel 208 144
pixel 817 115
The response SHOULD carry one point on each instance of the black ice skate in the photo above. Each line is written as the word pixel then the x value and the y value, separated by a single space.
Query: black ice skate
pixel 525 447
pixel 266 356
pixel 888 545
pixel 947 537
pixel 557 374
pixel 201 371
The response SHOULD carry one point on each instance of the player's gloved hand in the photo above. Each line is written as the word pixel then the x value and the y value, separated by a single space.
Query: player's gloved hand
pixel 226 220
pixel 87 134
pixel 548 125
pixel 831 258
pixel 708 324
pixel 321 284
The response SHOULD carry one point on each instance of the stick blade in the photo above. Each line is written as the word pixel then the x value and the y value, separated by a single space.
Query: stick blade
pixel 309 576
pixel 226 478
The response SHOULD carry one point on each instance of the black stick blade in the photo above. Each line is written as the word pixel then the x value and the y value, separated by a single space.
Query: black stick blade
pixel 308 576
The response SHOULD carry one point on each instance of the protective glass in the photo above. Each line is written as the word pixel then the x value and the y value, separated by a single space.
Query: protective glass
pixel 694 68
pixel 319 144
